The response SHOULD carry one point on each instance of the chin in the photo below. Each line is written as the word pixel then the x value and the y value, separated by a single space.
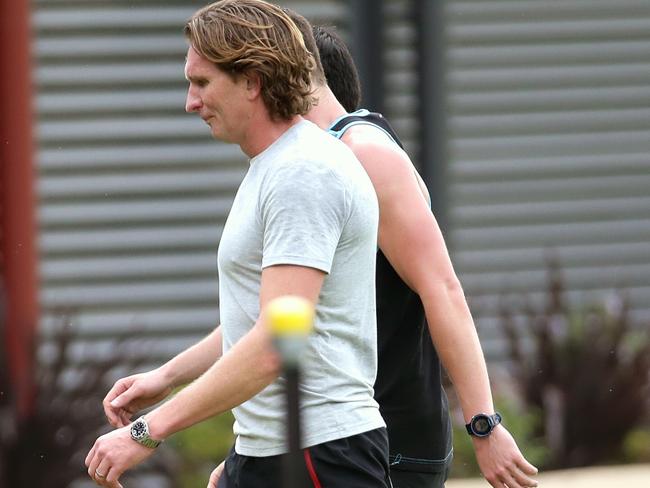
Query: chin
pixel 223 136
pixel 216 134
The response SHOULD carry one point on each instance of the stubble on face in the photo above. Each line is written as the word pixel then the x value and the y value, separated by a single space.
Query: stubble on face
pixel 215 96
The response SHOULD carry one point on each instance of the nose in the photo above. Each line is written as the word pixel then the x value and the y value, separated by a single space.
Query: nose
pixel 193 101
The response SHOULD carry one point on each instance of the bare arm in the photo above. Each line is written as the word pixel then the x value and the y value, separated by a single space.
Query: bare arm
pixel 249 366
pixel 410 238
pixel 136 392
pixel 194 361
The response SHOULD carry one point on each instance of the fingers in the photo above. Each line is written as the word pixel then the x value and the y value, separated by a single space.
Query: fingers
pixel 523 470
pixel 501 461
pixel 125 419
pixel 113 411
pixel 90 456
pixel 101 473
pixel 109 480
pixel 510 478
pixel 495 481
pixel 522 479
pixel 119 402
pixel 112 479
pixel 517 480
pixel 499 481
pixel 212 482
pixel 92 463
pixel 526 467
pixel 124 398
pixel 125 416
pixel 215 476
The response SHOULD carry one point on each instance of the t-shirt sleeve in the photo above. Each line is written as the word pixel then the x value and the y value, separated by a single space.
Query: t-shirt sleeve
pixel 303 210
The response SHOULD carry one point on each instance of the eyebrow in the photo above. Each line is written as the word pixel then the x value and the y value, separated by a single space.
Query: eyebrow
pixel 195 79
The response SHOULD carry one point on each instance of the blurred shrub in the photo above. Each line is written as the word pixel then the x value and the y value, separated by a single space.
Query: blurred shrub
pixel 201 448
pixel 48 449
pixel 585 369
pixel 636 446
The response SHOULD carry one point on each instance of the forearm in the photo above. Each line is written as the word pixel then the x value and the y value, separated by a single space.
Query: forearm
pixel 456 340
pixel 194 361
pixel 244 371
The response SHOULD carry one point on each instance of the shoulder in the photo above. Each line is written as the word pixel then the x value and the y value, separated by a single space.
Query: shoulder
pixel 378 154
pixel 390 169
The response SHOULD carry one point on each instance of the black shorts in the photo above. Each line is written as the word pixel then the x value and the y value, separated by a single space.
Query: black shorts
pixel 360 461
pixel 414 479
pixel 408 472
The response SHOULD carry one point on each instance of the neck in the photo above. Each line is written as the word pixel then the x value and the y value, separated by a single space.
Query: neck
pixel 264 132
pixel 327 110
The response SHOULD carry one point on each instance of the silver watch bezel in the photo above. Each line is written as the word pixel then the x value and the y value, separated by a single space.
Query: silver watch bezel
pixel 143 438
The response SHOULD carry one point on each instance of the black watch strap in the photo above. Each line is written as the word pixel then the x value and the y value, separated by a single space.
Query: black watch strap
pixel 482 424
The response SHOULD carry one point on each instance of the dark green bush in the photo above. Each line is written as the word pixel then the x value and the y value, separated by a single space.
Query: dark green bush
pixel 585 369
pixel 47 449
pixel 201 448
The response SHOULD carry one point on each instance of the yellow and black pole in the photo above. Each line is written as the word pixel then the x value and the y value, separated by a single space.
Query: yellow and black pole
pixel 291 320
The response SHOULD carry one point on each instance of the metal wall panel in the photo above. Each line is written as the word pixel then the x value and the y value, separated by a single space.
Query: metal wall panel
pixel 549 123
pixel 133 192
pixel 401 83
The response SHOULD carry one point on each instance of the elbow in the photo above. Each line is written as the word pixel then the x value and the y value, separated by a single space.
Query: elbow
pixel 454 290
pixel 445 290
pixel 269 364
pixel 453 287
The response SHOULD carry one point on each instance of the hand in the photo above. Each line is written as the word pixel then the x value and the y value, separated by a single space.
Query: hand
pixel 216 475
pixel 112 454
pixel 133 393
pixel 501 461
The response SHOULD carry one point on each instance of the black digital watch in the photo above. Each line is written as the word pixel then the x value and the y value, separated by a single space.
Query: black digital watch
pixel 483 424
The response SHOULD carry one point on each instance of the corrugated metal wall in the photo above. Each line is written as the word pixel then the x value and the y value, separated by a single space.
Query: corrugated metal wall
pixel 400 79
pixel 549 123
pixel 133 191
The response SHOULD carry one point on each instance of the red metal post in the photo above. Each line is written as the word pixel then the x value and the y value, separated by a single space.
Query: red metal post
pixel 17 198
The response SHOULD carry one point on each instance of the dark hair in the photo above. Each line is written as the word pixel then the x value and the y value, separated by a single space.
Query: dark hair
pixel 340 70
pixel 244 36
pixel 305 28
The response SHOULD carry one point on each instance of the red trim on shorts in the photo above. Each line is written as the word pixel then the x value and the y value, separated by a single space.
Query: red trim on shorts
pixel 310 468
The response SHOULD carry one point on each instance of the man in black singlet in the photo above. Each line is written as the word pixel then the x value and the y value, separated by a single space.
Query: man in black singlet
pixel 415 283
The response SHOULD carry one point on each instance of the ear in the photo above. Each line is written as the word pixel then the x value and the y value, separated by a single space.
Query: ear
pixel 253 85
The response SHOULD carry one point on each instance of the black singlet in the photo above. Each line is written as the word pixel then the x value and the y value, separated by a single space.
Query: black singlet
pixel 408 386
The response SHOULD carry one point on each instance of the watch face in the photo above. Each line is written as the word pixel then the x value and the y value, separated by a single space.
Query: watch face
pixel 139 429
pixel 481 425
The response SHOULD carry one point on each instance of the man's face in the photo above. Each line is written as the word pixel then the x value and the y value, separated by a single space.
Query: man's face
pixel 219 100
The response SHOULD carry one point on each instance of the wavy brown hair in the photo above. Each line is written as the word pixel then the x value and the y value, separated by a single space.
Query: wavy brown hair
pixel 253 36
pixel 306 29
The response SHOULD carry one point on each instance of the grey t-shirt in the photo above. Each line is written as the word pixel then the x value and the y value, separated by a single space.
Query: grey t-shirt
pixel 306 201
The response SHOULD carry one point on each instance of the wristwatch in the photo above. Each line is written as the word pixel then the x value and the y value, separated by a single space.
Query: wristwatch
pixel 482 424
pixel 140 434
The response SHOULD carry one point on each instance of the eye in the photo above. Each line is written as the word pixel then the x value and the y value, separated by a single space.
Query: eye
pixel 198 82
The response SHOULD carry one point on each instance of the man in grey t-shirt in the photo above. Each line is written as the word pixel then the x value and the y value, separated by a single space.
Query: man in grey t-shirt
pixel 304 222
pixel 306 202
